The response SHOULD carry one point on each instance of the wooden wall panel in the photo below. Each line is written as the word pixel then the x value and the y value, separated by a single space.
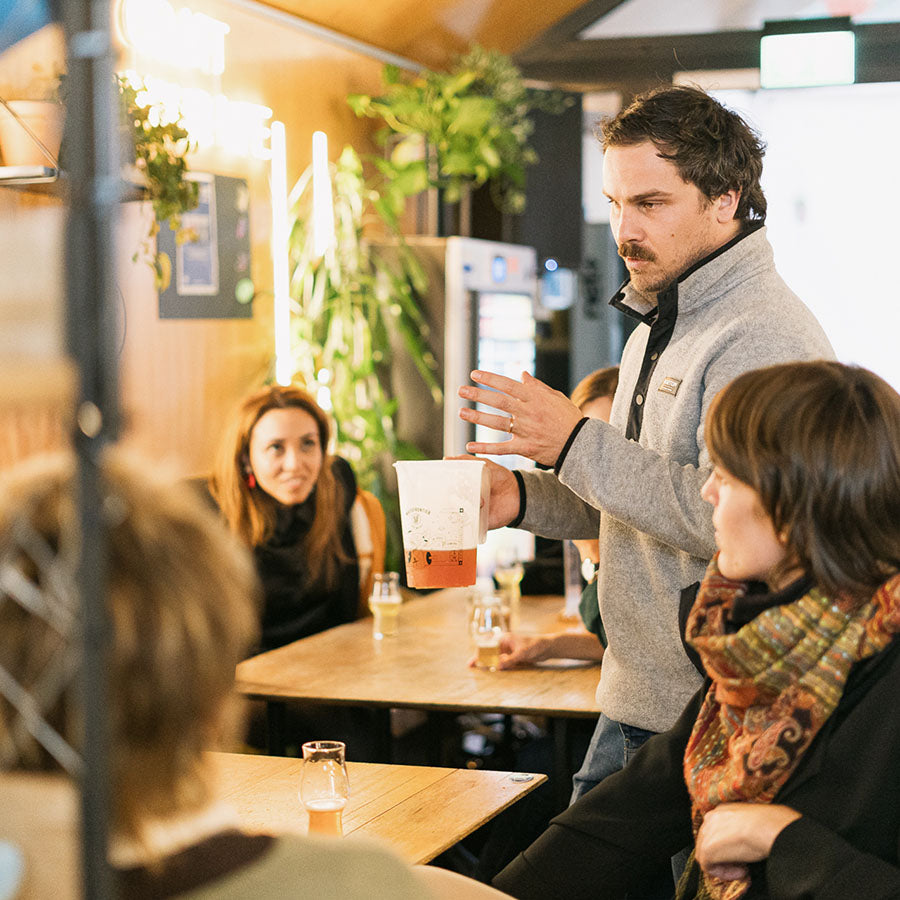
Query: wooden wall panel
pixel 35 410
pixel 35 383
pixel 178 378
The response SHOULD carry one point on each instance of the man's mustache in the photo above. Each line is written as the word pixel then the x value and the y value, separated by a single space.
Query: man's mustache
pixel 628 250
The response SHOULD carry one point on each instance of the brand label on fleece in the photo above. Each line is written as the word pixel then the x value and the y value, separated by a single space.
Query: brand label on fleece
pixel 670 386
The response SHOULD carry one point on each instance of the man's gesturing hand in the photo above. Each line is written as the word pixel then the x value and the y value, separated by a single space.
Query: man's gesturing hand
pixel 539 418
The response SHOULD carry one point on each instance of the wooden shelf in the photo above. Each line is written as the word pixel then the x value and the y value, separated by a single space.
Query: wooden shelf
pixel 36 177
pixel 47 180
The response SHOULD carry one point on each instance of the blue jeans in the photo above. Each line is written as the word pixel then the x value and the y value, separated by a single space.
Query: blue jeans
pixel 612 746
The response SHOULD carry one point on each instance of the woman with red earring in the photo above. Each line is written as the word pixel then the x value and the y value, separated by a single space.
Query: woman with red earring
pixel 289 500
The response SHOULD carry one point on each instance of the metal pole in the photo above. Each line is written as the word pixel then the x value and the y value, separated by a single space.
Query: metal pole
pixel 92 162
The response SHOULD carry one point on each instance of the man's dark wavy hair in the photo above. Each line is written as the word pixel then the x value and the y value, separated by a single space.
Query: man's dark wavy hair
pixel 711 146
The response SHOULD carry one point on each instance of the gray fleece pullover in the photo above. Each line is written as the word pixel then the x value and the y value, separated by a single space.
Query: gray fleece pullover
pixel 731 313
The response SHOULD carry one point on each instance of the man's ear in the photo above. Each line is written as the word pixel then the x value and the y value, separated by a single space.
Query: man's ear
pixel 726 205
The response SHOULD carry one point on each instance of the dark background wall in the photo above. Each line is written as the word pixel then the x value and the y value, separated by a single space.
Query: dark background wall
pixel 552 220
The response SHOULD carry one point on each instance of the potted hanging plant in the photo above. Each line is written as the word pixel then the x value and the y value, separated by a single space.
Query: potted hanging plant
pixel 472 122
pixel 161 146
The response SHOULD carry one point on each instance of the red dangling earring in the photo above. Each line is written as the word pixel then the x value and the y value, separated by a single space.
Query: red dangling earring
pixel 251 480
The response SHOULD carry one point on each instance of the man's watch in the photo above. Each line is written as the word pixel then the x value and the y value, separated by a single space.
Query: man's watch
pixel 588 569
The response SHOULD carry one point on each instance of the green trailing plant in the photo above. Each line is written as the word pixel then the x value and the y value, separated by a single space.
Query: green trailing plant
pixel 458 129
pixel 160 149
pixel 352 305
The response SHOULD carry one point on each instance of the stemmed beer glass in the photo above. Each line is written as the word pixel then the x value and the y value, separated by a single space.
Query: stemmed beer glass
pixel 508 575
pixel 324 786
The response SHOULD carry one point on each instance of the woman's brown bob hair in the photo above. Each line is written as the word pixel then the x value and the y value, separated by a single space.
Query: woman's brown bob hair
pixel 820 443
pixel 251 512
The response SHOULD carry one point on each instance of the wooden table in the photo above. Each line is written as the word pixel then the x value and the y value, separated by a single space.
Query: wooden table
pixel 423 667
pixel 39 816
pixel 417 811
pixel 420 811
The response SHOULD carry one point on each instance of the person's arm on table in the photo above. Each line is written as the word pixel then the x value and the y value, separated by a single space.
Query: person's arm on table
pixel 603 844
pixel 527 649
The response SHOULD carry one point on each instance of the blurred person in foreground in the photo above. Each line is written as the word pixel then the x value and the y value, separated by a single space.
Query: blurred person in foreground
pixel 783 767
pixel 182 598
pixel 682 175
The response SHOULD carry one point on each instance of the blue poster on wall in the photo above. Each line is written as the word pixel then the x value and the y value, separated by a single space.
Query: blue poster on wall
pixel 211 273
pixel 197 260
pixel 19 18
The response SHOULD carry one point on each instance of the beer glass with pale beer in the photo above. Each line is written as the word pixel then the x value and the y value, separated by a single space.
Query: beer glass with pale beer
pixel 508 575
pixel 488 623
pixel 384 604
pixel 324 786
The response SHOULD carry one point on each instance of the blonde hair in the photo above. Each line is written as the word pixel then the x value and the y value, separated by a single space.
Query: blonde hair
pixel 182 600
pixel 250 512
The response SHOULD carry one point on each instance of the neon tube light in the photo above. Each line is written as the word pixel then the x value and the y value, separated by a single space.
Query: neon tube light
pixel 323 203
pixel 284 363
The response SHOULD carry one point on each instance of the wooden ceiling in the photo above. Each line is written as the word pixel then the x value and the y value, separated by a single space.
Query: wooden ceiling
pixel 542 37
pixel 433 32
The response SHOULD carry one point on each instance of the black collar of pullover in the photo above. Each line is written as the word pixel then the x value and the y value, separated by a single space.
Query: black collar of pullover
pixel 667 299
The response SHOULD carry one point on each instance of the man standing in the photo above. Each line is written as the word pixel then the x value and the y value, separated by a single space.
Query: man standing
pixel 681 173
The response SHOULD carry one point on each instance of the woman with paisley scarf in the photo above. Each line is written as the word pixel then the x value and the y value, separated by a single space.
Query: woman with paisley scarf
pixel 784 768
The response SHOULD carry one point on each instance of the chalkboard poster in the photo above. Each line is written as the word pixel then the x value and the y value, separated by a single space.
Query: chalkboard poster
pixel 211 275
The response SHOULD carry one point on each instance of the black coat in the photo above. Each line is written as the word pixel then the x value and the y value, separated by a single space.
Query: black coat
pixel 847 786
pixel 292 606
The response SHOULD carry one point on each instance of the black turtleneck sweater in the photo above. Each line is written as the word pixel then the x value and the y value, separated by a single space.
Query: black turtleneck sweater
pixel 292 607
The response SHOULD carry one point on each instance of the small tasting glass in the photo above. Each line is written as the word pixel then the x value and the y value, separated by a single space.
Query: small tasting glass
pixel 508 575
pixel 384 604
pixel 489 621
pixel 324 786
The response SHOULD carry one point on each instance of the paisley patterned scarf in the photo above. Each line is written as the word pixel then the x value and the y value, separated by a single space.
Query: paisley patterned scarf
pixel 775 682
